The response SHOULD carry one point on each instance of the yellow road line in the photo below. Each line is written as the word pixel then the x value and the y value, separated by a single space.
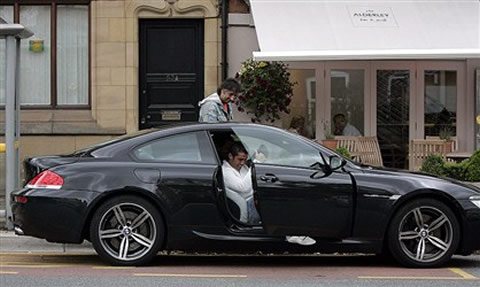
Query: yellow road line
pixel 39 265
pixel 412 278
pixel 49 253
pixel 9 272
pixel 189 275
pixel 113 267
pixel 462 273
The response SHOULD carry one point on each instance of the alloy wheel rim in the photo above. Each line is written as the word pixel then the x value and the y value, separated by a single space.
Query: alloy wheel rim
pixel 425 234
pixel 127 231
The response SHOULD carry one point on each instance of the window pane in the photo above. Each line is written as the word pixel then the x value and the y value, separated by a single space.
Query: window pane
pixel 180 148
pixel 35 56
pixel 440 102
pixel 477 111
pixel 347 93
pixel 72 55
pixel 393 98
pixel 301 119
pixel 277 148
pixel 6 12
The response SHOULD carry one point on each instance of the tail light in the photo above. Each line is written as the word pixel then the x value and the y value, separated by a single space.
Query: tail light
pixel 46 179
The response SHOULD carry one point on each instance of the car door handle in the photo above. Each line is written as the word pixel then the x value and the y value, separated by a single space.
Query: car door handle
pixel 269 178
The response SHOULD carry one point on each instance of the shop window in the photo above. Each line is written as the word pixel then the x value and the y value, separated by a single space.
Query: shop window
pixel 54 70
pixel 440 103
pixel 477 110
pixel 302 107
pixel 347 102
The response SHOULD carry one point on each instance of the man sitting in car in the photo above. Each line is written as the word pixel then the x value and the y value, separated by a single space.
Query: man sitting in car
pixel 238 183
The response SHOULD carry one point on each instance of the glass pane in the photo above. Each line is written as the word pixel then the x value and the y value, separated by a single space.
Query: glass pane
pixel 277 148
pixel 72 55
pixel 477 110
pixel 181 148
pixel 347 94
pixel 301 119
pixel 393 93
pixel 35 56
pixel 440 103
pixel 6 12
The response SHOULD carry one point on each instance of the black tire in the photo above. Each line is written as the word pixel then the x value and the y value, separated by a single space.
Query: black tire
pixel 423 233
pixel 127 230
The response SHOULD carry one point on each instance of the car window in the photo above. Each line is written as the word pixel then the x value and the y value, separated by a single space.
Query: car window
pixel 177 148
pixel 279 148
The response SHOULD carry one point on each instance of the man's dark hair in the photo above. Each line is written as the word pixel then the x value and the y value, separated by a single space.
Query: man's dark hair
pixel 229 84
pixel 237 148
pixel 339 116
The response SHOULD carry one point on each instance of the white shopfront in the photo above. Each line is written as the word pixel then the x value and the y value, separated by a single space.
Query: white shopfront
pixel 398 70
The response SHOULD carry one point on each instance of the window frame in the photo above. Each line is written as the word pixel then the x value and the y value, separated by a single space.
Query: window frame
pixel 53 51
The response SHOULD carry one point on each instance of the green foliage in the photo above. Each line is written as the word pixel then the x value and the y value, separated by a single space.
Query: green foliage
pixel 434 164
pixel 468 170
pixel 267 90
pixel 472 167
pixel 455 170
pixel 343 151
pixel 445 133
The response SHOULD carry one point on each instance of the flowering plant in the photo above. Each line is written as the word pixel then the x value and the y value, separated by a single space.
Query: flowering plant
pixel 267 90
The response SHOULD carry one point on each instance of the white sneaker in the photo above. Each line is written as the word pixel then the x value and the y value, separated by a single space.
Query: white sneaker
pixel 301 240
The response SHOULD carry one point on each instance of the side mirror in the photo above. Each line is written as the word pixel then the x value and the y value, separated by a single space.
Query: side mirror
pixel 336 162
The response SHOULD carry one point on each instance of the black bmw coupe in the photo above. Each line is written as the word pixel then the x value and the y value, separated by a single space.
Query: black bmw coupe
pixel 163 189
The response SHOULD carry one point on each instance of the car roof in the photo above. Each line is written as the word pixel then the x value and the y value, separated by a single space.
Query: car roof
pixel 112 147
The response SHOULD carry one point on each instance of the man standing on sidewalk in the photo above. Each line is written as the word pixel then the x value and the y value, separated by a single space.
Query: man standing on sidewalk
pixel 218 106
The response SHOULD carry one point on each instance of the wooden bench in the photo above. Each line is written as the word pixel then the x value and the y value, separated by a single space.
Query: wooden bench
pixel 363 149
pixel 420 149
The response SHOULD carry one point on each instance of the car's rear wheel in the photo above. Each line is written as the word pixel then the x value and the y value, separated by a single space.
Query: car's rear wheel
pixel 423 233
pixel 127 230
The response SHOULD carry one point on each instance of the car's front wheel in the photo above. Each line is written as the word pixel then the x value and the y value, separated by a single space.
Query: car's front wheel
pixel 127 230
pixel 423 233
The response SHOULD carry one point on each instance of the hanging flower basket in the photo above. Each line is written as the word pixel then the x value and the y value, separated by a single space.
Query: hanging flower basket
pixel 267 90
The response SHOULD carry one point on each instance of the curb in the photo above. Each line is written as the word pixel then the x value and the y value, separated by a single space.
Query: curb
pixel 10 242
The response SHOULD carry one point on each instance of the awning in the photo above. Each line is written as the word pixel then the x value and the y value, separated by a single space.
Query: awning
pixel 302 30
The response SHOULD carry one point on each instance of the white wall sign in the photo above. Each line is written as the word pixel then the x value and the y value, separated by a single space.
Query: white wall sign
pixel 372 16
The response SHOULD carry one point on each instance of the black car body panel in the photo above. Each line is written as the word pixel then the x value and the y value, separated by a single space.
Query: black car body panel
pixel 348 209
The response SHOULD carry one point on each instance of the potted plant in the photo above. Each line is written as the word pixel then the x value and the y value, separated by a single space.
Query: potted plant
pixel 266 90
pixel 446 135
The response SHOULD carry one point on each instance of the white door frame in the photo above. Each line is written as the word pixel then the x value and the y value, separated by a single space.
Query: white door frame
pixel 459 67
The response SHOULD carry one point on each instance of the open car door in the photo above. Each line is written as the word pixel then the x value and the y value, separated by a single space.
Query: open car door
pixel 291 202
pixel 295 191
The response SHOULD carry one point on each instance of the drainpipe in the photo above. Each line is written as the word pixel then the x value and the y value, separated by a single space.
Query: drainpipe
pixel 224 38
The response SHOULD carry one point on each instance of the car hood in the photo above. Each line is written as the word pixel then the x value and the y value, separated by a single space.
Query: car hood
pixel 419 179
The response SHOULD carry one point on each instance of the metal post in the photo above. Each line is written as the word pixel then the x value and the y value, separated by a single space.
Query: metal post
pixel 17 114
pixel 11 51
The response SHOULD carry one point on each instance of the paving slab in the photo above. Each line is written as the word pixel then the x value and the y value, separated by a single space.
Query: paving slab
pixel 10 242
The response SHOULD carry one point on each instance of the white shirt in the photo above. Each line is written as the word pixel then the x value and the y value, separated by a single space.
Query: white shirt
pixel 238 187
pixel 350 130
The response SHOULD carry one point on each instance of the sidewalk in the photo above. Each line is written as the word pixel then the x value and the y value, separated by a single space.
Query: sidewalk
pixel 9 242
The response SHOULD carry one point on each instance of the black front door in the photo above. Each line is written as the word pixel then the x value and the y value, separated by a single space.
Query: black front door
pixel 171 71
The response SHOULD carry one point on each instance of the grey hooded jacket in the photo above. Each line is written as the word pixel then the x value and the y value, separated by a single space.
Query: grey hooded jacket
pixel 212 111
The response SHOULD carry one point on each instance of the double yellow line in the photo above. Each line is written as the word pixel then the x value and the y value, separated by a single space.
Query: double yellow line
pixel 463 276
